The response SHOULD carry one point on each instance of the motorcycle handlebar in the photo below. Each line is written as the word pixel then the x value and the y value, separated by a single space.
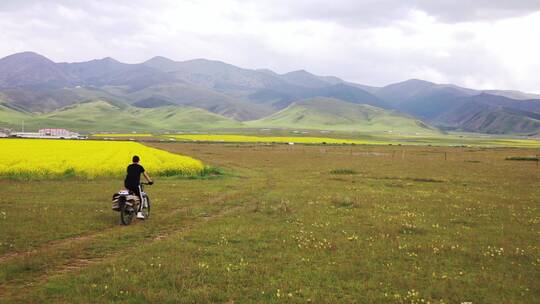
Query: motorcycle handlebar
pixel 149 183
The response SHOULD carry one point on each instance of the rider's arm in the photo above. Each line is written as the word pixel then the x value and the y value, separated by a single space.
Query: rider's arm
pixel 148 179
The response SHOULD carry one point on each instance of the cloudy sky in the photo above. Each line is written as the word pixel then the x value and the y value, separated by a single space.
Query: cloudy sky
pixel 480 44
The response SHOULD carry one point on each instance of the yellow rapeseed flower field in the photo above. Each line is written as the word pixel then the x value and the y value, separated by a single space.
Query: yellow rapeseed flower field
pixel 265 139
pixel 42 158
pixel 122 135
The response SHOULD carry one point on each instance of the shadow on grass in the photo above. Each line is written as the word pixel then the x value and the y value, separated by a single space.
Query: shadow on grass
pixel 522 158
pixel 343 171
pixel 414 179
pixel 345 202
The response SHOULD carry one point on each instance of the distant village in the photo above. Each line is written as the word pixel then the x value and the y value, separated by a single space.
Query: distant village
pixel 42 133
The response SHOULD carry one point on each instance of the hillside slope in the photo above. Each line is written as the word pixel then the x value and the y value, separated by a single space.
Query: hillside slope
pixel 333 114
pixel 29 69
pixel 478 117
pixel 516 95
pixel 214 74
pixel 280 98
pixel 422 98
pixel 200 97
pixel 11 117
pixel 174 118
pixel 101 115
pixel 458 108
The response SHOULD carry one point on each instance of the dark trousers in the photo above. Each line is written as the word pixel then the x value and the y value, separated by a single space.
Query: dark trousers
pixel 137 191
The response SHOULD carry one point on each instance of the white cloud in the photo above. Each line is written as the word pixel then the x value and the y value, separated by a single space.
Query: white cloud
pixel 490 44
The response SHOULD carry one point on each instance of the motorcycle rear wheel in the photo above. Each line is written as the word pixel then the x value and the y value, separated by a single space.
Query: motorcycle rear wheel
pixel 126 214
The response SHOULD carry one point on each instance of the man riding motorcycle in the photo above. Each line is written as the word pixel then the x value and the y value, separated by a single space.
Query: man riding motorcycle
pixel 133 180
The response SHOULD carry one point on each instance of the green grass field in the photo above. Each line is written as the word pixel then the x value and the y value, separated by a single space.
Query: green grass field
pixel 286 224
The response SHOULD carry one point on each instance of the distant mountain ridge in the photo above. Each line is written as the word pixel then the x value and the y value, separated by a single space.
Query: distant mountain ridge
pixel 474 117
pixel 31 70
pixel 464 109
pixel 31 82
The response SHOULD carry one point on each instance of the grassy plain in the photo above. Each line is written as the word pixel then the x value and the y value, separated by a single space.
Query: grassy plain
pixel 475 140
pixel 286 224
pixel 263 139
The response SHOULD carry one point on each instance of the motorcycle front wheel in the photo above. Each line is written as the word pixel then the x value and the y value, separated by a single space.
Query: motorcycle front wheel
pixel 146 208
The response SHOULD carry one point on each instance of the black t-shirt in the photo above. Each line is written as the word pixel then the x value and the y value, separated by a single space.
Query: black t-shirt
pixel 133 177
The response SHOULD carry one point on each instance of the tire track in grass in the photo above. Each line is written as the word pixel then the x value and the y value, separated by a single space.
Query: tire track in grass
pixel 78 264
pixel 78 241
pixel 51 245
pixel 77 259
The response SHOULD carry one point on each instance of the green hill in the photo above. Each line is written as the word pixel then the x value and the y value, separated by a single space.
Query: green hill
pixel 317 113
pixel 101 115
pixel 334 114
pixel 175 117
pixel 93 116
pixel 11 117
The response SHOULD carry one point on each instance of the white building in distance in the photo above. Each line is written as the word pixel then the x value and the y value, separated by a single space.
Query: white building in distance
pixel 48 133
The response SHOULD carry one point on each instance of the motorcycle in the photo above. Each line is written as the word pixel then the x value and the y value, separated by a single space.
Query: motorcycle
pixel 128 204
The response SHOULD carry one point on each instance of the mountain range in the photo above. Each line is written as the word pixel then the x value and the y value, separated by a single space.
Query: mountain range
pixel 162 94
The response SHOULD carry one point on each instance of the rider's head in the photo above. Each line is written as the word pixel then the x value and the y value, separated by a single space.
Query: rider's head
pixel 136 159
